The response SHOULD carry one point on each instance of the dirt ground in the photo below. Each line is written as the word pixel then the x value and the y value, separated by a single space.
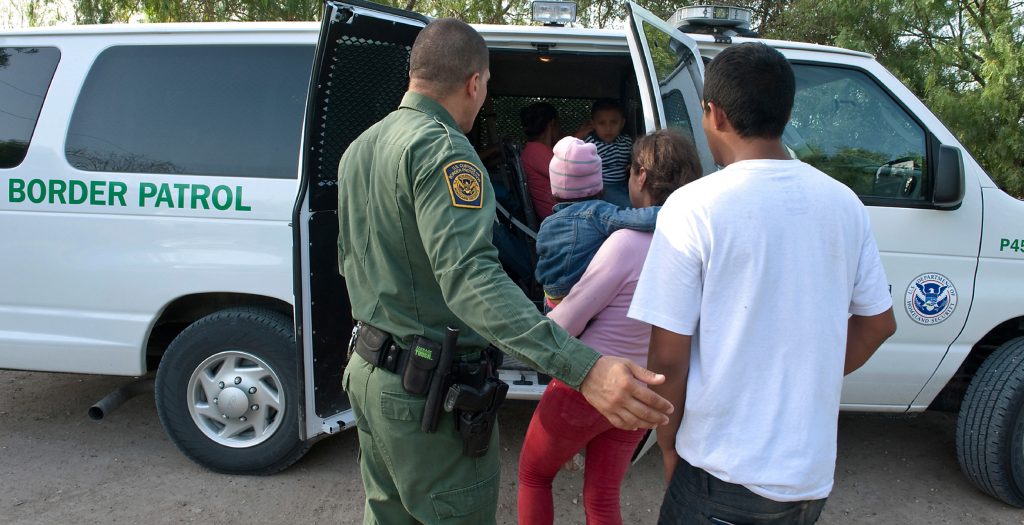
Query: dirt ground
pixel 57 466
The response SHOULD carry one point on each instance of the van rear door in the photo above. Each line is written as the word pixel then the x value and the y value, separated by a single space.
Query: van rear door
pixel 360 73
pixel 671 77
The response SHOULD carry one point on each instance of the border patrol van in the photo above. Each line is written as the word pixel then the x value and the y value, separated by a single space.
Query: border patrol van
pixel 169 205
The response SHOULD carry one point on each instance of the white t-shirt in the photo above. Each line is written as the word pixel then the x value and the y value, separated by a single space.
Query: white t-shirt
pixel 761 263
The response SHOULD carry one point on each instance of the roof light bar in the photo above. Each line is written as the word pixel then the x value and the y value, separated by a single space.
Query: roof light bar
pixel 712 15
pixel 554 13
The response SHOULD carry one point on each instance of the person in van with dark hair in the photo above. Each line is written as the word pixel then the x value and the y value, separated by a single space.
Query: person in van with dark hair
pixel 764 287
pixel 540 124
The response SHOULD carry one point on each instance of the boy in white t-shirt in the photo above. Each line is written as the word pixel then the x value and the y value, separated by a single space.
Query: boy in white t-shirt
pixel 764 287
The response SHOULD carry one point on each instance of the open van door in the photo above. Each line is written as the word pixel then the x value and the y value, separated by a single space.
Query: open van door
pixel 670 72
pixel 360 72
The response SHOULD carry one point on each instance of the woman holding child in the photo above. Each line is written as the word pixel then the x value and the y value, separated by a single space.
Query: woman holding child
pixel 595 311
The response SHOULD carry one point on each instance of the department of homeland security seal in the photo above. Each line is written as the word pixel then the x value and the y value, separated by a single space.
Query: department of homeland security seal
pixel 465 184
pixel 930 299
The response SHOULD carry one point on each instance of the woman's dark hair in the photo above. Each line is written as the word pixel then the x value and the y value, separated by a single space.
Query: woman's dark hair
pixel 754 85
pixel 536 117
pixel 670 160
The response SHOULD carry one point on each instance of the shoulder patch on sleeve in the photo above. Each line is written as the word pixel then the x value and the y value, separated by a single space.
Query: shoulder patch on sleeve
pixel 465 184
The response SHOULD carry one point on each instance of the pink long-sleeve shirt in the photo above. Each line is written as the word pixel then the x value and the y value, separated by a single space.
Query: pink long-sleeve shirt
pixel 595 309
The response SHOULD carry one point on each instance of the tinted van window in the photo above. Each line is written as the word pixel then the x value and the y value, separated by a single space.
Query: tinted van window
pixel 25 74
pixel 227 110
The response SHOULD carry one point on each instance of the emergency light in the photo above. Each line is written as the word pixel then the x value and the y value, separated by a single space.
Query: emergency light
pixel 714 19
pixel 712 15
pixel 554 13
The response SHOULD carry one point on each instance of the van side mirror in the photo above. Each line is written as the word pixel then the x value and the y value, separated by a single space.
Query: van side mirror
pixel 948 191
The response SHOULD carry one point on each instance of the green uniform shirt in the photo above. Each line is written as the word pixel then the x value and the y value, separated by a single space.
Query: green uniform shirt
pixel 415 211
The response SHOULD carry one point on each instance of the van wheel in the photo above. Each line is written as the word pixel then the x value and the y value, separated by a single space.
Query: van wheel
pixel 990 428
pixel 227 392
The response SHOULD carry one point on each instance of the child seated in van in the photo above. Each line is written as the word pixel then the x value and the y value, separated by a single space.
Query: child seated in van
pixel 568 239
pixel 604 130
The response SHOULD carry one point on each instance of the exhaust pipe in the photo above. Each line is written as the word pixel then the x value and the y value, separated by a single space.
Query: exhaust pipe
pixel 117 398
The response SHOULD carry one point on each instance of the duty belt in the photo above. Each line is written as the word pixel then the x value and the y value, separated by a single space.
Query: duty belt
pixel 381 350
pixel 377 347
pixel 470 390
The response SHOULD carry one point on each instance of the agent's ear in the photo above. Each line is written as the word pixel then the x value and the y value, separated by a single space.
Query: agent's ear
pixel 473 85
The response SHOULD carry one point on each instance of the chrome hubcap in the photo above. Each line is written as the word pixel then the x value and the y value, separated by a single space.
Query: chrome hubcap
pixel 235 399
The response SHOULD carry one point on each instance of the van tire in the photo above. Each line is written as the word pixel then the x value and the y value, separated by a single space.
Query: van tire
pixel 990 427
pixel 256 346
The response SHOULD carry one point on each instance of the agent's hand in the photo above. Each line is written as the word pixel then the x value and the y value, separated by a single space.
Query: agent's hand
pixel 617 388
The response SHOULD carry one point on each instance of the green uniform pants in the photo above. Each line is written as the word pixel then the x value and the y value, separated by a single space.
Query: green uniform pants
pixel 411 476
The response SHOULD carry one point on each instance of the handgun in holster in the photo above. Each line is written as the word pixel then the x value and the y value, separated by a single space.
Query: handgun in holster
pixel 476 410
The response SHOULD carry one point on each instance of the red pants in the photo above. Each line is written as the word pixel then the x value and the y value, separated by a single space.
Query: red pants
pixel 563 424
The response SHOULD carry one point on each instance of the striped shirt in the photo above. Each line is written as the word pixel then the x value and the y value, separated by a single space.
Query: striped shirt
pixel 615 157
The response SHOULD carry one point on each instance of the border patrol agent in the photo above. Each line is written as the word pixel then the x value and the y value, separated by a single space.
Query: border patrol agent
pixel 415 212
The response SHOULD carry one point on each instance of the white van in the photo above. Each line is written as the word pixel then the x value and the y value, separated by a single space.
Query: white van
pixel 168 203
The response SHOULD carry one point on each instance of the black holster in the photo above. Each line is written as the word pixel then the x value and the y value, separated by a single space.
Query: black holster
pixel 474 400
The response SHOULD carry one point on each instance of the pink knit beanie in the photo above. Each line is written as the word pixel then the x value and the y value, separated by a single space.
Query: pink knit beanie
pixel 575 169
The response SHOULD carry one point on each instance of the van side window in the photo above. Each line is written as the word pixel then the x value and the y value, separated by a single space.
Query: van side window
pixel 844 124
pixel 224 110
pixel 25 74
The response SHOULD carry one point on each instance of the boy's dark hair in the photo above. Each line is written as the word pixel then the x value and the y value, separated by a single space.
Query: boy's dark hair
pixel 536 117
pixel 606 104
pixel 754 86
pixel 445 54
pixel 670 159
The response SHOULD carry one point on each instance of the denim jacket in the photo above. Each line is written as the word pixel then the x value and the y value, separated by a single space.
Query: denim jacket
pixel 569 239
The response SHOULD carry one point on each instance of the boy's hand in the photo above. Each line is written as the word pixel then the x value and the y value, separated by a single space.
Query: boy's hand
pixel 584 129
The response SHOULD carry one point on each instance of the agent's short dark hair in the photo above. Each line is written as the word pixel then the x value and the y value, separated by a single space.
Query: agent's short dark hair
pixel 670 159
pixel 445 54
pixel 607 104
pixel 754 86
pixel 536 117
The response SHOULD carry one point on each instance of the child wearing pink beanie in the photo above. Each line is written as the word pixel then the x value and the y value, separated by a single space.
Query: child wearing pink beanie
pixel 569 238
pixel 575 170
